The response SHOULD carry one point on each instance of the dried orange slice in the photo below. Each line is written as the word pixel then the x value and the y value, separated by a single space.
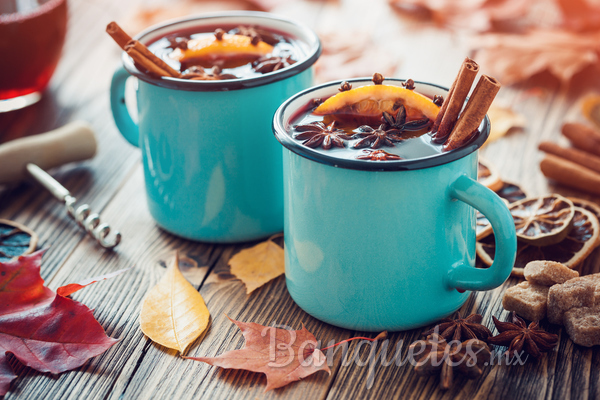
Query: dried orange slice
pixel 233 50
pixel 578 244
pixel 590 108
pixel 373 100
pixel 509 192
pixel 488 175
pixel 587 205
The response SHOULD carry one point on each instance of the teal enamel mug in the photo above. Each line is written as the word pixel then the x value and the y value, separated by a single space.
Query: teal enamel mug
pixel 385 245
pixel 212 169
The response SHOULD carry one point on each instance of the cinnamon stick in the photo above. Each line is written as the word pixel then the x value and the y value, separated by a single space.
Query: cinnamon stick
pixel 118 34
pixel 583 137
pixel 143 50
pixel 571 174
pixel 477 106
pixel 145 63
pixel 577 156
pixel 448 115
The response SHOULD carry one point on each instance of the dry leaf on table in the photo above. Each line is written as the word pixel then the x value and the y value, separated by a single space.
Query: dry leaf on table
pixel 274 352
pixel 43 330
pixel 580 15
pixel 590 108
pixel 352 55
pixel 258 265
pixel 514 58
pixel 173 313
pixel 504 119
pixel 71 288
pixel 478 15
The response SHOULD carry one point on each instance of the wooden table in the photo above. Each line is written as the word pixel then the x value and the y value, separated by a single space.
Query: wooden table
pixel 113 184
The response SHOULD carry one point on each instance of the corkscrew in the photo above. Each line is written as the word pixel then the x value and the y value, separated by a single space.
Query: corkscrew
pixel 72 142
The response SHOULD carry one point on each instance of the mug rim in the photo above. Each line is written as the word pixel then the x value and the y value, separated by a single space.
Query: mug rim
pixel 435 160
pixel 229 84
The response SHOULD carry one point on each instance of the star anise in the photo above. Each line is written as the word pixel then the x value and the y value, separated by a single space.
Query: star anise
pixel 197 73
pixel 318 134
pixel 457 328
pixel 269 64
pixel 375 138
pixel 261 34
pixel 518 337
pixel 378 155
pixel 436 354
pixel 399 123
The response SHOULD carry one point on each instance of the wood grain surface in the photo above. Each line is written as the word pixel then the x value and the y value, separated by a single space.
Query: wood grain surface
pixel 112 183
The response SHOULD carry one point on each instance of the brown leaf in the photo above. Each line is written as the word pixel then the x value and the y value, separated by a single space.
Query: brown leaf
pixel 580 15
pixel 258 265
pixel 514 58
pixel 284 356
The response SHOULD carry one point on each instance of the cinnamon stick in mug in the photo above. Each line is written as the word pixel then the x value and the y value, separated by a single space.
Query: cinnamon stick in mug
pixel 448 115
pixel 582 136
pixel 118 34
pixel 571 174
pixel 145 63
pixel 143 50
pixel 477 106
pixel 580 157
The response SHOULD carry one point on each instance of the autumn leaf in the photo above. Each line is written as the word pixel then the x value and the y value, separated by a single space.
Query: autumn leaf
pixel 173 313
pixel 43 330
pixel 514 58
pixel 503 120
pixel 74 287
pixel 284 356
pixel 580 15
pixel 258 265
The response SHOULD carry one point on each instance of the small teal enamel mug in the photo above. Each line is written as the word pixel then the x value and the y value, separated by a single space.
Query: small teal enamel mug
pixel 385 245
pixel 212 170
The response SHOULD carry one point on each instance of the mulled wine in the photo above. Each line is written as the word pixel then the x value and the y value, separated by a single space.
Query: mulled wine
pixel 31 38
pixel 227 52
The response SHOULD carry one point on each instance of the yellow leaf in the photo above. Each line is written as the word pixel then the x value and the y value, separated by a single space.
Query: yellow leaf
pixel 174 313
pixel 258 265
pixel 590 108
pixel 503 120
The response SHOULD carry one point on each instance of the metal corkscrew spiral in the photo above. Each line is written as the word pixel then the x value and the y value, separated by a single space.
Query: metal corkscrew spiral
pixel 83 215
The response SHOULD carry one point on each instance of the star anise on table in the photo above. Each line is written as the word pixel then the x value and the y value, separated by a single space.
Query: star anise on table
pixel 269 64
pixel 317 134
pixel 375 138
pixel 457 328
pixel 435 354
pixel 518 337
pixel 378 155
pixel 399 123
pixel 197 73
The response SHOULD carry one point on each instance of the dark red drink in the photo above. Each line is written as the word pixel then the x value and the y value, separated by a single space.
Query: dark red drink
pixel 32 34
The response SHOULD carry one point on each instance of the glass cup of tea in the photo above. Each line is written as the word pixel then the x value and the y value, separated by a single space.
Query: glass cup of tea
pixel 32 34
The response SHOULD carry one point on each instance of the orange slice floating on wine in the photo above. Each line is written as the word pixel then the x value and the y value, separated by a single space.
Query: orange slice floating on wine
pixel 233 50
pixel 571 251
pixel 373 100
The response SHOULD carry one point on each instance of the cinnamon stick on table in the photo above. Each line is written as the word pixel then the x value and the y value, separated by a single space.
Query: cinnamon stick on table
pixel 571 174
pixel 448 114
pixel 583 137
pixel 477 106
pixel 577 156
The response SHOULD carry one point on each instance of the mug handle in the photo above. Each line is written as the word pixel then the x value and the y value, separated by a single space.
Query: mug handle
pixel 464 277
pixel 127 127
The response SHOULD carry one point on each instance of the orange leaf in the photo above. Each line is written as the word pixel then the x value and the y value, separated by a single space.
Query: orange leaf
pixel 258 265
pixel 73 287
pixel 284 356
pixel 503 119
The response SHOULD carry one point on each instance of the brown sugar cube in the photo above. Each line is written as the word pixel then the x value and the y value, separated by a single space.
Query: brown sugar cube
pixel 527 300
pixel 595 279
pixel 548 273
pixel 583 325
pixel 571 294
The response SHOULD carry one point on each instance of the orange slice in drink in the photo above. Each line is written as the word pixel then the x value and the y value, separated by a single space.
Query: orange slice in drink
pixel 372 100
pixel 571 251
pixel 232 50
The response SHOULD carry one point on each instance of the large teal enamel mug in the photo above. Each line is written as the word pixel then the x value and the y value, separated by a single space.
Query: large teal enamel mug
pixel 385 245
pixel 212 169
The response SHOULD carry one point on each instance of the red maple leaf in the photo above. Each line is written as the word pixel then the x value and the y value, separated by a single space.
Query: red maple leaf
pixel 43 330
pixel 284 356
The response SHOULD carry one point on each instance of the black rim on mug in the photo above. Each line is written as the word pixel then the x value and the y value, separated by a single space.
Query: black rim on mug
pixel 306 37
